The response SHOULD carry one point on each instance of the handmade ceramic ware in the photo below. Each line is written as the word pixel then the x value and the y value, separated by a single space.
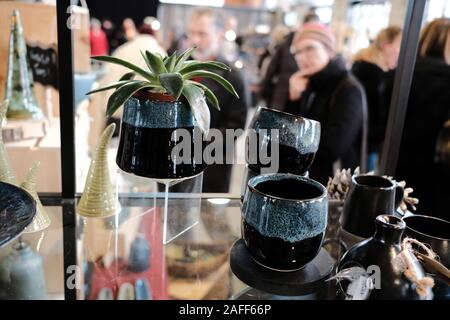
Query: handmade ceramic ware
pixel 381 252
pixel 431 231
pixel 369 196
pixel 298 139
pixel 150 123
pixel 284 218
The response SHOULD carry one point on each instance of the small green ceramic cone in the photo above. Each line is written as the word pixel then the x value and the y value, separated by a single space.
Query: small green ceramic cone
pixel 41 221
pixel 19 81
pixel 99 199
pixel 6 172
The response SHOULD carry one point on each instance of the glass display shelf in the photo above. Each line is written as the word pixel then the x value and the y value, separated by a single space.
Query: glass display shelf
pixel 127 253
pixel 41 265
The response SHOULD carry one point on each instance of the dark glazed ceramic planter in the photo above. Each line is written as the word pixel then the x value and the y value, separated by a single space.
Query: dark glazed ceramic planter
pixel 381 251
pixel 298 141
pixel 149 124
pixel 284 218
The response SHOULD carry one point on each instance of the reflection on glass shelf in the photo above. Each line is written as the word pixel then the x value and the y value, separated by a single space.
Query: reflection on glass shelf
pixel 32 266
pixel 128 250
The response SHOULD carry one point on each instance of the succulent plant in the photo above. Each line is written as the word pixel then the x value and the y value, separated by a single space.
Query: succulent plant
pixel 174 75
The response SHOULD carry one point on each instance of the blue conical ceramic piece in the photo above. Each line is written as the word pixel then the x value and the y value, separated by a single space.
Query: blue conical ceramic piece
pixel 139 259
pixel 23 274
pixel 143 290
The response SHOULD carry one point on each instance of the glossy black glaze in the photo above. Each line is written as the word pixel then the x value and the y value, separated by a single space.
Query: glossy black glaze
pixel 369 196
pixel 381 250
pixel 284 220
pixel 17 210
pixel 432 231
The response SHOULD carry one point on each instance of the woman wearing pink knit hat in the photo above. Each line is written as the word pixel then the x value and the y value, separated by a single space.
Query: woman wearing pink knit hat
pixel 325 91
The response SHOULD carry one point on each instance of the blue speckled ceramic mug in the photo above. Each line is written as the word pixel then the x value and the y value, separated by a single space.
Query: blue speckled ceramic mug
pixel 284 218
pixel 298 139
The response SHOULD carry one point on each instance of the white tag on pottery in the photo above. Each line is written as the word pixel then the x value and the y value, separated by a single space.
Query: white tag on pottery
pixel 360 283
pixel 201 113
pixel 360 289
pixel 350 274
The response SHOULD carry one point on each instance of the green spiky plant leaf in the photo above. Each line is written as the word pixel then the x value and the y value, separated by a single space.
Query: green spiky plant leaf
pixel 174 75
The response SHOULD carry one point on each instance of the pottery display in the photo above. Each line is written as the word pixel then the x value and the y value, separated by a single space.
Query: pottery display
pixel 6 171
pixel 298 139
pixel 99 198
pixel 142 290
pixel 22 274
pixel 381 251
pixel 431 231
pixel 126 292
pixel 250 174
pixel 17 211
pixel 168 104
pixel 368 197
pixel 284 218
pixel 149 123
pixel 195 260
pixel 19 88
pixel 139 258
pixel 41 220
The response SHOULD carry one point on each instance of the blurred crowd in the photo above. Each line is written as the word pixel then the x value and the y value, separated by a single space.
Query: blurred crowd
pixel 301 72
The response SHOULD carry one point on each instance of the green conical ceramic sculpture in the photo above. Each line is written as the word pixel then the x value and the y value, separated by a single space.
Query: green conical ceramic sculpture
pixel 41 221
pixel 19 81
pixel 6 172
pixel 99 199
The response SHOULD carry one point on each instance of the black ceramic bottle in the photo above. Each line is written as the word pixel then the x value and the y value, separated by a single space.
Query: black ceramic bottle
pixel 381 251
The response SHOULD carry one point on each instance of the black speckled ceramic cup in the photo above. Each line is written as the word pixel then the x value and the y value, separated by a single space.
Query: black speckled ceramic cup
pixel 284 218
pixel 298 140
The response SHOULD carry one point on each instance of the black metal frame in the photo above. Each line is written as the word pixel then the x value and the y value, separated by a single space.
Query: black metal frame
pixel 67 127
pixel 67 198
pixel 402 86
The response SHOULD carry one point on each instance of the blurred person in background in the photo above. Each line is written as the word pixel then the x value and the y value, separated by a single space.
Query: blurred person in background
pixel 126 33
pixel 98 39
pixel 205 32
pixel 229 49
pixel 275 84
pixel 109 29
pixel 277 38
pixel 428 111
pixel 178 41
pixel 129 29
pixel 149 26
pixel 372 66
pixel 325 91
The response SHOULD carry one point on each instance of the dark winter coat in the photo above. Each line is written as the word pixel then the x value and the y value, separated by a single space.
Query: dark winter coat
pixel 335 99
pixel 373 80
pixel 428 110
pixel 274 89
